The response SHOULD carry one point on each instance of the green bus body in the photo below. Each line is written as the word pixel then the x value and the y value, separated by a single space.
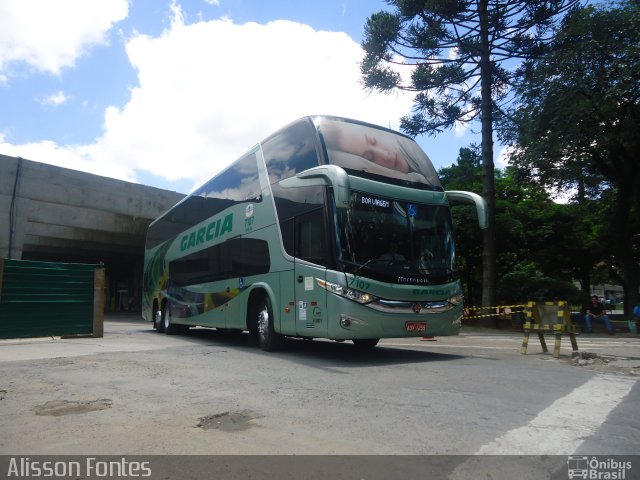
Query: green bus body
pixel 330 228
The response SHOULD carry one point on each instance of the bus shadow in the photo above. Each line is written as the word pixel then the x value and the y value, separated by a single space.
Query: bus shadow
pixel 326 352
pixel 345 353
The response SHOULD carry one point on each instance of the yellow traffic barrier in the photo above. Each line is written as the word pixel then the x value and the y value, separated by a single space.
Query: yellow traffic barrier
pixel 498 311
pixel 503 316
pixel 552 317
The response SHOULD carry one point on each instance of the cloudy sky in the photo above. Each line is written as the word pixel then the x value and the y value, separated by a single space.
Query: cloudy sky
pixel 169 92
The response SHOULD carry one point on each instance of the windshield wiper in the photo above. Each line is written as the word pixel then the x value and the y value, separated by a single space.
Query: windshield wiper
pixel 361 265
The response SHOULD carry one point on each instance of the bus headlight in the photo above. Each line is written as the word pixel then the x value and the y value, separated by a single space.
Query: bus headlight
pixel 346 292
pixel 456 299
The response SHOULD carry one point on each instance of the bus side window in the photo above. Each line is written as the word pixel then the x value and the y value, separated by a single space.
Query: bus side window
pixel 238 257
pixel 310 238
pixel 288 236
pixel 293 204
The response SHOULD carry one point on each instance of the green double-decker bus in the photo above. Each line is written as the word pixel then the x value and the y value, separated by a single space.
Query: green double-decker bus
pixel 330 228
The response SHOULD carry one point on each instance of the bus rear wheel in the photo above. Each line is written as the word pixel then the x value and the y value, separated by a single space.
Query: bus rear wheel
pixel 157 320
pixel 268 339
pixel 168 327
pixel 365 343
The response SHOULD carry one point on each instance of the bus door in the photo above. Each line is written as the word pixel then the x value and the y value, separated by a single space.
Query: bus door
pixel 310 298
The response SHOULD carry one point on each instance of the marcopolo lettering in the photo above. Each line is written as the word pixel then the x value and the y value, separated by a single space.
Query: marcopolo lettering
pixel 216 228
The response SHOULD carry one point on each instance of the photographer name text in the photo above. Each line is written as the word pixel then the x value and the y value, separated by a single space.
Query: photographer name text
pixel 24 467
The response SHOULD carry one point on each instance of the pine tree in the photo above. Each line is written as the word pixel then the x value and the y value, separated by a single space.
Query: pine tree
pixel 459 57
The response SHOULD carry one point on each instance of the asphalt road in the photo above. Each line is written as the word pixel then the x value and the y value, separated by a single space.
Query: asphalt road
pixel 137 392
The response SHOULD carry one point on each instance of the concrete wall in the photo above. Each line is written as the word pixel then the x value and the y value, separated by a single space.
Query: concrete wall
pixel 66 215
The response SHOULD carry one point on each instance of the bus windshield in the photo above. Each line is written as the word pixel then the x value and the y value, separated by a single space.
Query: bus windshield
pixel 396 241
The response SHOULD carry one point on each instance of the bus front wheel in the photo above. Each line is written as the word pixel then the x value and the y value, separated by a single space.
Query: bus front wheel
pixel 268 339
pixel 365 343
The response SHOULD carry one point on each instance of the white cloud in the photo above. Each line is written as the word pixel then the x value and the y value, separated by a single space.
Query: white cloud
pixel 461 128
pixel 208 91
pixel 51 35
pixel 195 112
pixel 504 155
pixel 55 99
pixel 75 157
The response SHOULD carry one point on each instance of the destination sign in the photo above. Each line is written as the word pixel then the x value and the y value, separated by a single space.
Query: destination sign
pixel 376 202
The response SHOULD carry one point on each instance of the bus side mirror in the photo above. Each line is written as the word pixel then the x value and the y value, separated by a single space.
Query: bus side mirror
pixel 324 175
pixel 473 198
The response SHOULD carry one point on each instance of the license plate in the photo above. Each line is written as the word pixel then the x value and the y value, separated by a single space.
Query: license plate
pixel 415 326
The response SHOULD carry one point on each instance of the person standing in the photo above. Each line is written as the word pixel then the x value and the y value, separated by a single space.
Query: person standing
pixel 595 311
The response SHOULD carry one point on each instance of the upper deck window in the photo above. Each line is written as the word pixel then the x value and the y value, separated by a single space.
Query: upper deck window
pixel 238 183
pixel 291 150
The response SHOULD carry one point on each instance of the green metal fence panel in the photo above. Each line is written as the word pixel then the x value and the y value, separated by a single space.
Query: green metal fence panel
pixel 39 299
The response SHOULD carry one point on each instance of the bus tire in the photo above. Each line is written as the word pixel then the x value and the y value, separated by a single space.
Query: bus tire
pixel 365 343
pixel 268 339
pixel 157 320
pixel 168 327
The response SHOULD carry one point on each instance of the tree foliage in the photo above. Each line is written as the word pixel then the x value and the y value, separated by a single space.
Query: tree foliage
pixel 576 127
pixel 466 174
pixel 444 44
pixel 539 242
pixel 455 55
